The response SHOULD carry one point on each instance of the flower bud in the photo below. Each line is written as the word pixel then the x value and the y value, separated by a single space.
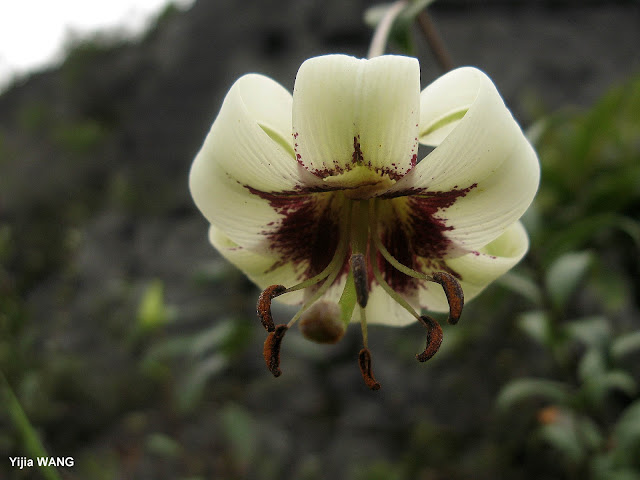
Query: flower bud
pixel 321 323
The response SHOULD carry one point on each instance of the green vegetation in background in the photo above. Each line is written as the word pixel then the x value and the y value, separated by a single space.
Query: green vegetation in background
pixel 582 280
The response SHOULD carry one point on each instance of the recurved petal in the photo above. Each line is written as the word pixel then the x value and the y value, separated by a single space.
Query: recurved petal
pixel 485 155
pixel 257 266
pixel 247 151
pixel 349 112
pixel 443 104
pixel 479 268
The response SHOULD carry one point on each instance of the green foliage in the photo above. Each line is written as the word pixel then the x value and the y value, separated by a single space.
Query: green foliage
pixel 590 170
pixel 240 431
pixel 527 388
pixel 35 116
pixel 80 138
pixel 32 444
pixel 207 353
pixel 584 226
pixel 153 313
pixel 564 275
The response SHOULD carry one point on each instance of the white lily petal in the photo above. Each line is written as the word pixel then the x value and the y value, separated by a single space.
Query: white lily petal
pixel 484 152
pixel 443 104
pixel 247 149
pixel 383 310
pixel 349 112
pixel 258 267
pixel 479 269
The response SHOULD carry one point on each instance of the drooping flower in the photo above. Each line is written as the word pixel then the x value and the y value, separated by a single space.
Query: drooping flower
pixel 322 200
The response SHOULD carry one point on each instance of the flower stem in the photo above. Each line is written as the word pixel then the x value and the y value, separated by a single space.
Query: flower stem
pixel 381 34
pixel 435 41
pixel 32 443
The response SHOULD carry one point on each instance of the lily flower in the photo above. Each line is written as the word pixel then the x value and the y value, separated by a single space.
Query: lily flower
pixel 320 197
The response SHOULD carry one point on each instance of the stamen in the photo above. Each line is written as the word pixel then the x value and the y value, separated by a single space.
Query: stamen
pixel 319 293
pixel 363 326
pixel 364 361
pixel 454 293
pixel 271 350
pixel 434 338
pixel 359 269
pixel 450 285
pixel 264 305
pixel 390 291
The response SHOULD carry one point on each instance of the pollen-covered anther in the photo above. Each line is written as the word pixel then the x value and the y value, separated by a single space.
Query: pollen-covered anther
pixel 360 280
pixel 321 323
pixel 264 305
pixel 453 291
pixel 434 338
pixel 364 361
pixel 271 350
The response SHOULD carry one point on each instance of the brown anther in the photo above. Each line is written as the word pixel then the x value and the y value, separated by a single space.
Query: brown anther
pixel 434 338
pixel 359 269
pixel 264 305
pixel 364 361
pixel 454 293
pixel 271 350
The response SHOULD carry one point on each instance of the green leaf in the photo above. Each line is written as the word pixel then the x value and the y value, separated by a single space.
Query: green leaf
pixel 564 276
pixel 597 382
pixel 620 380
pixel 625 345
pixel 593 331
pixel 536 325
pixel 592 365
pixel 527 388
pixel 212 338
pixel 152 311
pixel 163 445
pixel 521 285
pixel 240 431
pixel 565 440
pixel 192 387
pixel 626 433
pixel 590 433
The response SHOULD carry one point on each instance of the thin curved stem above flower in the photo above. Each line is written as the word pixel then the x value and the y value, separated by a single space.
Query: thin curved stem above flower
pixel 320 199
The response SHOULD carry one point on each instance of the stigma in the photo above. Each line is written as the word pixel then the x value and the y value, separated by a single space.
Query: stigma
pixel 361 255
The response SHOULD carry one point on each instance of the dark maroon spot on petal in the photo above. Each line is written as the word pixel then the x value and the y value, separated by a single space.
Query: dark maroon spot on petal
pixel 356 156
pixel 428 239
pixel 396 239
pixel 308 232
pixel 391 172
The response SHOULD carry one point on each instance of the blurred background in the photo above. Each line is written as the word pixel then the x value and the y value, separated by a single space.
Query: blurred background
pixel 127 343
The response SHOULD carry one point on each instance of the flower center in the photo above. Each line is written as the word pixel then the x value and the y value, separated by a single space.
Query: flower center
pixel 360 246
pixel 368 182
